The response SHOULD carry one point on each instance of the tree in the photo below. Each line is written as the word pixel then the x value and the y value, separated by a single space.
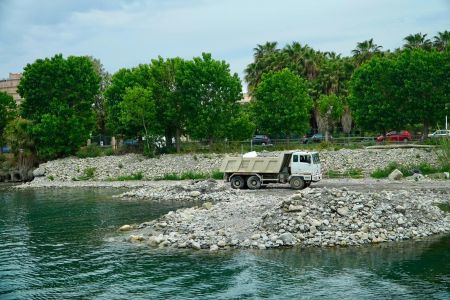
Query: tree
pixel 282 104
pixel 405 89
pixel 17 135
pixel 425 89
pixel 138 110
pixel 7 113
pixel 210 96
pixel 59 94
pixel 442 40
pixel 171 110
pixel 330 108
pixel 120 81
pixel 364 51
pixel 418 40
pixel 374 97
pixel 99 103
pixel 241 126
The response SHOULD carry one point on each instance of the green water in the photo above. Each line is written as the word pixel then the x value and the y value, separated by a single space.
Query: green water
pixel 64 244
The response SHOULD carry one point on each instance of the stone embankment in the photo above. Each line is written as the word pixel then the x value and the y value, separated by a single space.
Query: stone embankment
pixel 111 167
pixel 273 218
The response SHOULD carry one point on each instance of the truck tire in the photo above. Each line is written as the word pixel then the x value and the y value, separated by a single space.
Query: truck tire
pixel 237 182
pixel 297 183
pixel 253 182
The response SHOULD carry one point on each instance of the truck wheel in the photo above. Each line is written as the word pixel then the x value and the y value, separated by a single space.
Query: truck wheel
pixel 237 182
pixel 253 182
pixel 297 183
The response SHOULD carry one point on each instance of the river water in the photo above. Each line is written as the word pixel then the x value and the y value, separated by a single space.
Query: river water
pixel 64 244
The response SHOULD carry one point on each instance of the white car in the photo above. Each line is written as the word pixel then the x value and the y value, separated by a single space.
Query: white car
pixel 439 134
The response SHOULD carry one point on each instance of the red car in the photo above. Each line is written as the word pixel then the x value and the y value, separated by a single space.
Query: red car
pixel 395 136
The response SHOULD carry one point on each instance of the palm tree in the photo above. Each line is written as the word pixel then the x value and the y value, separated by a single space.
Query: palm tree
pixel 261 51
pixel 364 51
pixel 441 40
pixel 266 58
pixel 418 40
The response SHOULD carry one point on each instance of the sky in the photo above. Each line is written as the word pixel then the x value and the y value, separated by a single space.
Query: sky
pixel 125 33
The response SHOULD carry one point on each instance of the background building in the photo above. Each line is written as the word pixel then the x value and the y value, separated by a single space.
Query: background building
pixel 10 84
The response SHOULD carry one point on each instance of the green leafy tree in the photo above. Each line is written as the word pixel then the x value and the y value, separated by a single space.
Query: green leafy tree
pixel 59 94
pixel 138 110
pixel 7 113
pixel 17 135
pixel 424 87
pixel 171 109
pixel 241 126
pixel 374 98
pixel 405 89
pixel 282 104
pixel 210 95
pixel 114 95
pixel 99 103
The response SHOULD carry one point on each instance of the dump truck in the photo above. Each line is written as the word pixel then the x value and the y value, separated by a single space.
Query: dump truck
pixel 298 168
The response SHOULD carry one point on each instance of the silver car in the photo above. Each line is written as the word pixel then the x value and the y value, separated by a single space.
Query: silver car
pixel 439 134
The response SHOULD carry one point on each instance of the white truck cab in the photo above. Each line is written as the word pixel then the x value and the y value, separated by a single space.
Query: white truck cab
pixel 306 165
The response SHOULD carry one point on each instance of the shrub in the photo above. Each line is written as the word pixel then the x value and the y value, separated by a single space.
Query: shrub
pixel 216 174
pixel 193 175
pixel 384 172
pixel 88 174
pixel 94 151
pixel 89 151
pixel 134 176
pixel 169 176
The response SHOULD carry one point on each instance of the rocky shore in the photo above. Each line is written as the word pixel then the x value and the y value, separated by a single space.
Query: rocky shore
pixel 275 217
pixel 112 167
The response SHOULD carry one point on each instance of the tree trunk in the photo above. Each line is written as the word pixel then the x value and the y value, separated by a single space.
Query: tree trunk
pixel 178 139
pixel 168 137
pixel 346 120
pixel 426 128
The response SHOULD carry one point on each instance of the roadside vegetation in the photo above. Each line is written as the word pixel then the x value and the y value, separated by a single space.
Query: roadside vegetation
pixel 215 174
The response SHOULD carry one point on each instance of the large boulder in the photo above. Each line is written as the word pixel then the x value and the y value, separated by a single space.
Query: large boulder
pixel 396 175
pixel 39 172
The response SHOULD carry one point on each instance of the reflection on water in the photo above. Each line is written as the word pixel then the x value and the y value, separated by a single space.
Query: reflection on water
pixel 58 244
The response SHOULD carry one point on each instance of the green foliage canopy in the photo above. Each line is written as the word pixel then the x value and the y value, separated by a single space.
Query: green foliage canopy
pixel 395 91
pixel 59 94
pixel 7 113
pixel 282 104
pixel 210 96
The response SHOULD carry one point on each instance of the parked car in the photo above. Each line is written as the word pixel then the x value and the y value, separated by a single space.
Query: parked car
pixel 439 134
pixel 263 140
pixel 6 149
pixel 395 136
pixel 316 138
pixel 131 142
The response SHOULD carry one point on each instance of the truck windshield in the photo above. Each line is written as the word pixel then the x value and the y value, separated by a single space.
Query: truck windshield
pixel 316 159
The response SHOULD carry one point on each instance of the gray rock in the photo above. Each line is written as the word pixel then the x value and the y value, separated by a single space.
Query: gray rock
pixel 343 211
pixel 287 238
pixel 395 175
pixel 213 248
pixel 196 245
pixel 39 172
pixel 195 194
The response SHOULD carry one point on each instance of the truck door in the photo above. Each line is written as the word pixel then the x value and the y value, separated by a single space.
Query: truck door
pixel 301 164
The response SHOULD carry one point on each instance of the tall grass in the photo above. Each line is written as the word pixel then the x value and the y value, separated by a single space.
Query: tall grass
pixel 215 174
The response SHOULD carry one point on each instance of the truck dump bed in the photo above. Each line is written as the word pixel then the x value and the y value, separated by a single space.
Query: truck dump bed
pixel 252 164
